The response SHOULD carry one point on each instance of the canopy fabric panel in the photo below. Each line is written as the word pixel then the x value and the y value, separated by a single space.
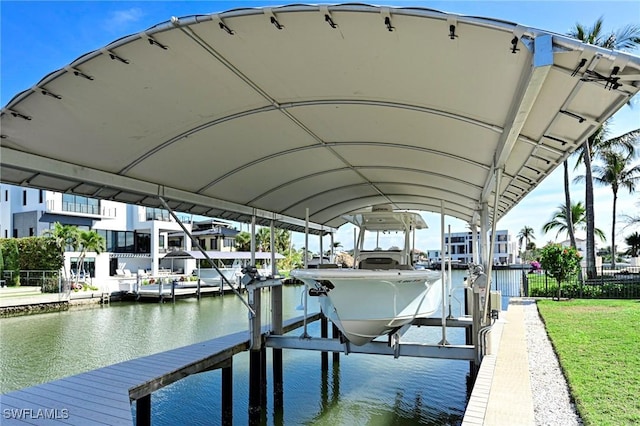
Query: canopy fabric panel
pixel 277 112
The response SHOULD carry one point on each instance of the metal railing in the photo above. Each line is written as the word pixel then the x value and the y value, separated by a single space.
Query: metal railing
pixel 48 281
pixel 621 283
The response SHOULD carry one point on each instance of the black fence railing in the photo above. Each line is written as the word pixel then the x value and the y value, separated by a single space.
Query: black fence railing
pixel 621 283
pixel 48 281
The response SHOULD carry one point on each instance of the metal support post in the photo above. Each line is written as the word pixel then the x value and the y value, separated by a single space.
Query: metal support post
pixel 255 356
pixel 443 276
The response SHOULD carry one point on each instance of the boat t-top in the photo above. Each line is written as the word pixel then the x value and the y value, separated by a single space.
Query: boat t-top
pixel 383 292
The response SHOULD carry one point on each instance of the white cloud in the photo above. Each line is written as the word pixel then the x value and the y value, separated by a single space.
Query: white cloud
pixel 120 20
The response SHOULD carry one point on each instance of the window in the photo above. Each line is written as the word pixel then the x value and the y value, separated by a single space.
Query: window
pixel 15 233
pixel 229 242
pixel 24 197
pixel 41 196
pixel 143 243
pixel 157 214
pixel 89 266
pixel 80 204
pixel 6 195
pixel 31 232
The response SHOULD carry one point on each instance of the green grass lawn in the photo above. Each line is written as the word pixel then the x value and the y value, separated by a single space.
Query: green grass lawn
pixel 598 344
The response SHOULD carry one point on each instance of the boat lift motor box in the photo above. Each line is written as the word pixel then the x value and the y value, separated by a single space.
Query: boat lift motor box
pixel 495 299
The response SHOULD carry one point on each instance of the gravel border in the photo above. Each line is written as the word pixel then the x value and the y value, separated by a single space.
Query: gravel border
pixel 552 403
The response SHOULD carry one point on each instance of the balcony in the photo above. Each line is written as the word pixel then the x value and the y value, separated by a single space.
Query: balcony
pixel 79 209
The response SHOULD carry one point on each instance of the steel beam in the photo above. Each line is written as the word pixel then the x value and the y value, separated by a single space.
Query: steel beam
pixel 461 352
pixel 541 63
pixel 81 174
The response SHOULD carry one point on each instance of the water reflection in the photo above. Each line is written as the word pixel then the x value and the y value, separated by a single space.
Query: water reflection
pixel 360 389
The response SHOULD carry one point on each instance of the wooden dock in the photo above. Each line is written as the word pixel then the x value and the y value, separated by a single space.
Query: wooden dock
pixel 172 291
pixel 104 396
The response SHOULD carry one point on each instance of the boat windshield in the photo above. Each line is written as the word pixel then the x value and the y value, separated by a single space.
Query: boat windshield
pixel 383 240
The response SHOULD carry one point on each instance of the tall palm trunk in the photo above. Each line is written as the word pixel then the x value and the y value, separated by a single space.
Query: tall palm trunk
pixel 591 243
pixel 613 230
pixel 567 204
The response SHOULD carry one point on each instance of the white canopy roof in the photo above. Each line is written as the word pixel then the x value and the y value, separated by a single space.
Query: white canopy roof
pixel 327 108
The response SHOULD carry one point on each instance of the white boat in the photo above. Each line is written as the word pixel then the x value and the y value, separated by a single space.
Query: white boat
pixel 384 292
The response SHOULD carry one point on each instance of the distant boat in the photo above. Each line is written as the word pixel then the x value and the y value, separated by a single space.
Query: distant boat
pixel 230 264
pixel 385 292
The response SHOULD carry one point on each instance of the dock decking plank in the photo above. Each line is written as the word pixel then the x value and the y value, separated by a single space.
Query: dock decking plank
pixel 77 415
pixel 102 391
pixel 102 396
pixel 17 415
pixel 83 380
pixel 106 378
pixel 95 408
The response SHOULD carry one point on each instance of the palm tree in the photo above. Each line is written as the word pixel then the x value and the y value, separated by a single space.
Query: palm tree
pixel 263 239
pixel 243 241
pixel 63 236
pixel 626 38
pixel 560 223
pixel 89 241
pixel 632 220
pixel 567 203
pixel 616 172
pixel 283 240
pixel 526 235
pixel 633 241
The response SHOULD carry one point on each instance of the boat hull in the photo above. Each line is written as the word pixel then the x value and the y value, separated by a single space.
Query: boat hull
pixel 365 304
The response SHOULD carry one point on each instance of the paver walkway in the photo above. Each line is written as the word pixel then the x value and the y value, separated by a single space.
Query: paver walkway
pixel 502 393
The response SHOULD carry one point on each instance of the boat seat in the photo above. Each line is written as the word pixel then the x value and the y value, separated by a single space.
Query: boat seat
pixel 379 263
pixel 327 265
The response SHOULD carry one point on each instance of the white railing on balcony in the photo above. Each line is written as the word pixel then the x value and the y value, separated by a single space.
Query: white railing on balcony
pixel 79 209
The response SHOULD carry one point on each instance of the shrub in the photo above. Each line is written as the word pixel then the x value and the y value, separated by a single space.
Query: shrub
pixel 560 262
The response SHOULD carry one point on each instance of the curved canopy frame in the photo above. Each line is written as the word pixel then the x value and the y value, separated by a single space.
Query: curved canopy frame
pixel 270 112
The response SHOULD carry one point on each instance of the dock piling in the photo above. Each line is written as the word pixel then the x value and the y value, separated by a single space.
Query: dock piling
pixel 324 357
pixel 276 353
pixel 227 393
pixel 143 411
pixel 335 333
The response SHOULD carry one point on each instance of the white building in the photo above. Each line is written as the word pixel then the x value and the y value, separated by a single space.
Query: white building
pixel 581 246
pixel 434 255
pixel 461 251
pixel 136 237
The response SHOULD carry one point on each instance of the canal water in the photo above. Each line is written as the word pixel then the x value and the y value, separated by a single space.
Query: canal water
pixel 359 390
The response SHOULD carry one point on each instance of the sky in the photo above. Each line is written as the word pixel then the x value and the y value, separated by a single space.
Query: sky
pixel 39 37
